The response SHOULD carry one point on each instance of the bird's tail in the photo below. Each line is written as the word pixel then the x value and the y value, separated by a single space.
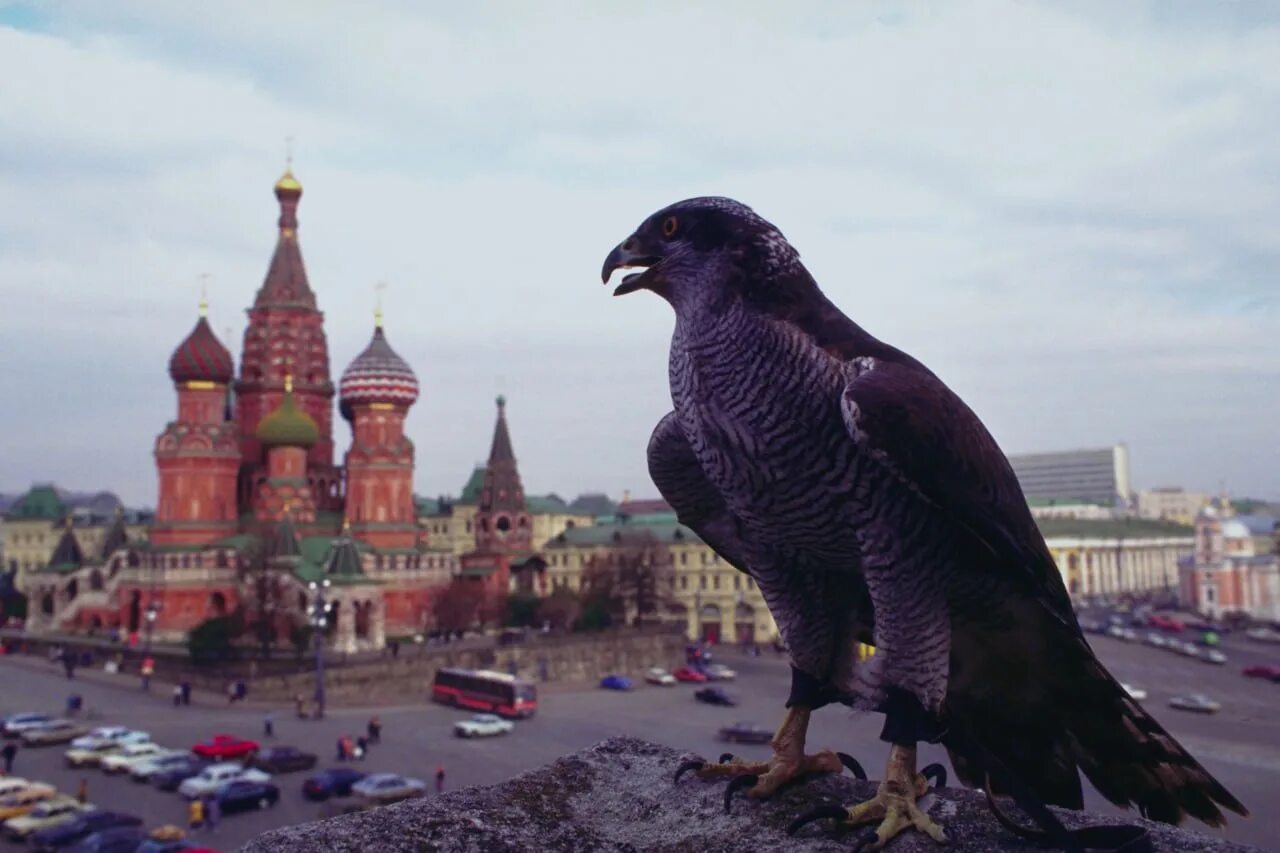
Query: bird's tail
pixel 1131 759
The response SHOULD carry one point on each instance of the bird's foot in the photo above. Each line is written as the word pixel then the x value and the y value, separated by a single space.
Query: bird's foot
pixel 763 778
pixel 894 804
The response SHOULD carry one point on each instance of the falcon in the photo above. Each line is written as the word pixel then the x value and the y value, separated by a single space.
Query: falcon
pixel 871 505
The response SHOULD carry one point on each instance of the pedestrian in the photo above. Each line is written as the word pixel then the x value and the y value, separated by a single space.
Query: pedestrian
pixel 177 696
pixel 82 792
pixel 212 812
pixel 9 753
pixel 148 668
pixel 362 745
pixel 186 692
pixel 299 706
pixel 269 725
pixel 348 747
pixel 231 692
pixel 440 778
pixel 395 648
pixel 242 690
pixel 195 814
pixel 342 749
pixel 375 730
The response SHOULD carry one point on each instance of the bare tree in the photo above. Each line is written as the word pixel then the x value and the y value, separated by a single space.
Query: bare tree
pixel 633 580
pixel 458 605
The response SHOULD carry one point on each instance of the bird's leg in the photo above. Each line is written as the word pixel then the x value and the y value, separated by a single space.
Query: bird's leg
pixel 788 763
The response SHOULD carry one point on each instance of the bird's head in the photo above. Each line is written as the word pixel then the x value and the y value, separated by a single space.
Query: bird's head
pixel 704 250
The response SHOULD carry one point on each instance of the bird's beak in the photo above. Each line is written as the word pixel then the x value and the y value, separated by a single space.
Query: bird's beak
pixel 629 253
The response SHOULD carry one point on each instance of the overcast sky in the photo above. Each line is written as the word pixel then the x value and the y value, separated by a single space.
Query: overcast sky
pixel 1070 212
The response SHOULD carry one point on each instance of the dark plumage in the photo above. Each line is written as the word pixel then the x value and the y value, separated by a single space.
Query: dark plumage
pixel 869 503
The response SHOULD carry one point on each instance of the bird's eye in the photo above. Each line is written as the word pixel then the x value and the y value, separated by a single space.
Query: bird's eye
pixel 669 226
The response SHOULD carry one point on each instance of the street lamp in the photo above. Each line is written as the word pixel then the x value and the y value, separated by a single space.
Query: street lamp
pixel 153 611
pixel 319 621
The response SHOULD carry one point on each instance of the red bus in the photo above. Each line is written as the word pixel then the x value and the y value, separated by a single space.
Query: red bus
pixel 483 690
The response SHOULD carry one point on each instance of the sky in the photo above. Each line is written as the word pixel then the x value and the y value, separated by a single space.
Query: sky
pixel 1070 212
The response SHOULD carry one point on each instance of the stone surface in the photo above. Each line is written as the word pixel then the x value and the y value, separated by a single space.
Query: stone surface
pixel 618 796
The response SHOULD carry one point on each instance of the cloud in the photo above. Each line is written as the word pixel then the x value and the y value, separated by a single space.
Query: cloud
pixel 1070 213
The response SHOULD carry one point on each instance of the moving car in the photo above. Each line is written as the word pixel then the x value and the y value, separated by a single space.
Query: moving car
pixel 156 845
pixel 170 778
pixel 1159 641
pixel 145 769
pixel 11 784
pixel 117 839
pixel 745 733
pixel 52 732
pixel 245 795
pixel 686 673
pixel 388 787
pixel 1135 693
pixel 1262 670
pixel 221 747
pixel 65 834
pixel 616 682
pixel 47 813
pixel 283 759
pixel 483 725
pixel 22 801
pixel 719 672
pixel 1213 656
pixel 1195 702
pixel 115 734
pixel 16 724
pixel 213 777
pixel 334 782
pixel 124 760
pixel 91 755
pixel 715 696
pixel 660 676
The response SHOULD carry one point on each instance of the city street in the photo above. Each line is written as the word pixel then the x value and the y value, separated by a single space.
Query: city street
pixel 1241 744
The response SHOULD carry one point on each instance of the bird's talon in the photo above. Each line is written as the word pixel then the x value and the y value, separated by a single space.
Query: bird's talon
pixel 686 766
pixel 737 783
pixel 836 813
pixel 868 839
pixel 726 757
pixel 856 768
pixel 937 774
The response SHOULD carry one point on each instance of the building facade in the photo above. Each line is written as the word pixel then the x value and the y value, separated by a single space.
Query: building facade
pixel 1236 565
pixel 1118 557
pixel 1171 503
pixel 1098 476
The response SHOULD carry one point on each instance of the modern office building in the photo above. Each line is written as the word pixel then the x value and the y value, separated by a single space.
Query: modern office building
pixel 1099 476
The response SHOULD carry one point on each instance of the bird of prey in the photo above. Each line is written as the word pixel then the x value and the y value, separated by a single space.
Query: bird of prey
pixel 870 504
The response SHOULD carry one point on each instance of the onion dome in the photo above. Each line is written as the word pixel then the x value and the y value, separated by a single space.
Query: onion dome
pixel 201 357
pixel 287 425
pixel 288 184
pixel 378 375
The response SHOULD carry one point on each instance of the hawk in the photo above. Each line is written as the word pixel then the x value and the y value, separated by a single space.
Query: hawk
pixel 870 504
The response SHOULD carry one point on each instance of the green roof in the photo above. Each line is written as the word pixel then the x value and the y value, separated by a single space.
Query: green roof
pixel 288 425
pixel 426 506
pixel 471 491
pixel 1117 528
pixel 615 533
pixel 548 504
pixel 41 502
pixel 239 542
pixel 1062 500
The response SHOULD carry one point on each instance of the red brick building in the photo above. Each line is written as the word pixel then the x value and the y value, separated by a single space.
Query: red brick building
pixel 252 509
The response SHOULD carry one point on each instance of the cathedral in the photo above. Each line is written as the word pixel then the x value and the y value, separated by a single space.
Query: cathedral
pixel 253 514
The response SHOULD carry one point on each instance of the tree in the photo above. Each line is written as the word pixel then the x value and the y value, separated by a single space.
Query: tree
pixel 521 610
pixel 212 640
pixel 458 605
pixel 560 609
pixel 632 582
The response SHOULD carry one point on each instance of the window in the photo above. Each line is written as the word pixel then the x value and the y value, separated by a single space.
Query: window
pixel 715 581
pixel 737 582
pixel 684 558
pixel 684 581
pixel 702 579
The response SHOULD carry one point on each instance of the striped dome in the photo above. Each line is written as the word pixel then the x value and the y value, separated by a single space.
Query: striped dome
pixel 377 375
pixel 201 357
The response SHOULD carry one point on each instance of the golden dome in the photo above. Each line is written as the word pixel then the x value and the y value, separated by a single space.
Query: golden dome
pixel 288 183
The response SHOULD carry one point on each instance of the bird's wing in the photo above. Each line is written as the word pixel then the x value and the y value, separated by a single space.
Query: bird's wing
pixel 918 427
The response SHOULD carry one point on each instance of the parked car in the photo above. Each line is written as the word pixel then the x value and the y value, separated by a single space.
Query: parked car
pixel 616 682
pixel 483 725
pixel 1135 693
pixel 47 813
pixel 334 782
pixel 1213 656
pixel 283 759
pixel 1195 702
pixel 170 778
pixel 22 801
pixel 124 760
pixel 178 845
pixel 659 676
pixel 66 834
pixel 715 696
pixel 719 672
pixel 388 787
pixel 213 777
pixel 52 732
pixel 688 673
pixel 1159 641
pixel 224 747
pixel 745 733
pixel 1262 670
pixel 245 795
pixel 16 724
pixel 91 755
pixel 1263 635
pixel 10 784
pixel 117 839
pixel 145 769
pixel 115 734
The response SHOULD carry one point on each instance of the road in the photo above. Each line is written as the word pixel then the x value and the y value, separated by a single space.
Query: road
pixel 1241 745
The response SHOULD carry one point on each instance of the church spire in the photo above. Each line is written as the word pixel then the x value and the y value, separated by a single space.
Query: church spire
pixel 501 452
pixel 286 282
